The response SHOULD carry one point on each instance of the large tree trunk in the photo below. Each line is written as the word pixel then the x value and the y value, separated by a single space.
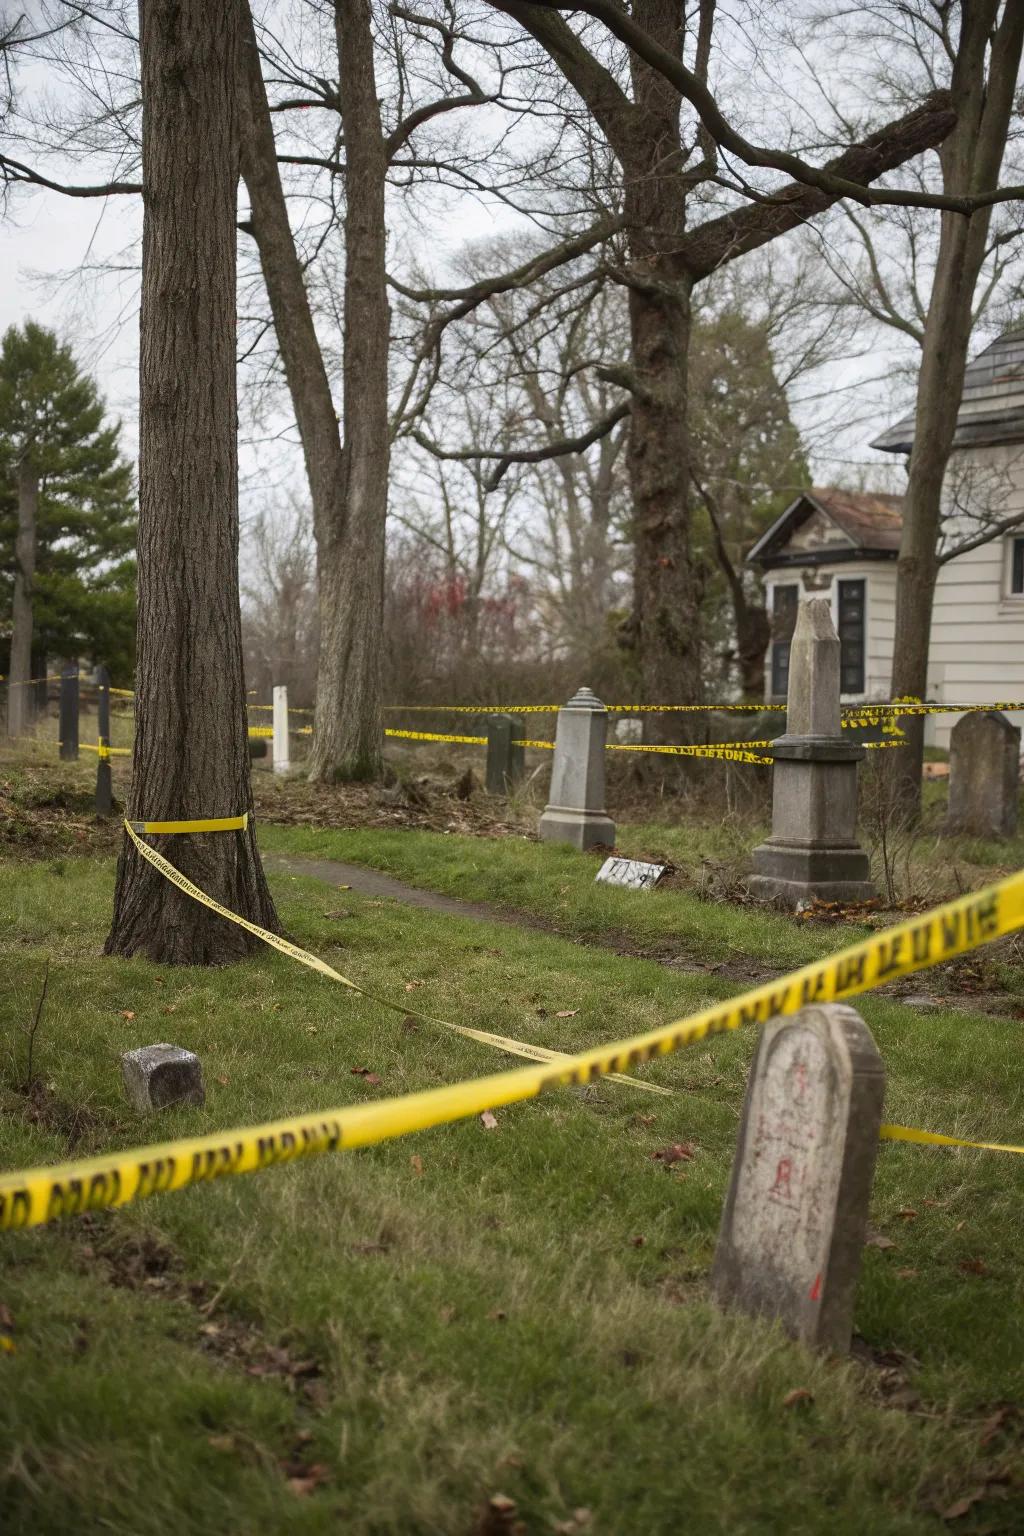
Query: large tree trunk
pixel 667 582
pixel 348 485
pixel 971 159
pixel 348 725
pixel 191 757
pixel 20 699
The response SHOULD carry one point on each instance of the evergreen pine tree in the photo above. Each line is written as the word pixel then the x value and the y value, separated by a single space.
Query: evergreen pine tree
pixel 56 446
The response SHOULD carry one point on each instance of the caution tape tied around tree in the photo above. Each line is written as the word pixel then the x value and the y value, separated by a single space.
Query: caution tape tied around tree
pixel 38 1195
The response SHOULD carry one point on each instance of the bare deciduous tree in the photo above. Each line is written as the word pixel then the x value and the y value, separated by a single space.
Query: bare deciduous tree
pixel 191 754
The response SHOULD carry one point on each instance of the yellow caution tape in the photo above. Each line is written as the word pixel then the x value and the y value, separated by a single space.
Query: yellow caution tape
pixel 470 741
pixel 34 1196
pixel 261 730
pixel 854 714
pixel 303 956
pixel 722 752
pixel 104 751
pixel 172 828
pixel 933 1139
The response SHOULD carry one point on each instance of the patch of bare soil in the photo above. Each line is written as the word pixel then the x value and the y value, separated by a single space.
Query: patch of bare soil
pixel 43 813
pixel 436 802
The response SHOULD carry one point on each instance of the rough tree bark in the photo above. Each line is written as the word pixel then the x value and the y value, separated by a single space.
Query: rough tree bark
pixel 667 582
pixel 191 757
pixel 20 696
pixel 983 89
pixel 348 726
pixel 348 483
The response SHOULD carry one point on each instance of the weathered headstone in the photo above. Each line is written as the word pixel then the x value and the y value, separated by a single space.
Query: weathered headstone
pixel 104 785
pixel 157 1076
pixel 795 1217
pixel 635 874
pixel 506 762
pixel 69 712
pixel 576 812
pixel 813 850
pixel 984 773
pixel 281 742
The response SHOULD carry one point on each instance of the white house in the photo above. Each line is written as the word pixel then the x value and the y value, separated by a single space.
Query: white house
pixel 843 545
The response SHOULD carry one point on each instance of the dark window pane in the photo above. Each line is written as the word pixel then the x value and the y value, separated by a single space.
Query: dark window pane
pixel 1018 566
pixel 852 609
pixel 784 609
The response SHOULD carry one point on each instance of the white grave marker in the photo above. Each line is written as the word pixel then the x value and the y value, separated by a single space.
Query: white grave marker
pixel 633 873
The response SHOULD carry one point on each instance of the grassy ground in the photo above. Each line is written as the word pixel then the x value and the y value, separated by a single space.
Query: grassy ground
pixel 384 1342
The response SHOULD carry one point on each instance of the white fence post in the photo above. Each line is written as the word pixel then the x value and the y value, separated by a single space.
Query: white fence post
pixel 281 764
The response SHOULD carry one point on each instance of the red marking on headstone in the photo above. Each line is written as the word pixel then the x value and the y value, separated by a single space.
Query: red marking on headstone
pixel 815 1291
pixel 782 1177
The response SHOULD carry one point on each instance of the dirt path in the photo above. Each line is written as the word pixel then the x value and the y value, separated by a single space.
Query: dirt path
pixel 370 882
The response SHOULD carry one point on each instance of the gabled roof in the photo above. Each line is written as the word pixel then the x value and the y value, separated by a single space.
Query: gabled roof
pixel 868 522
pixel 992 405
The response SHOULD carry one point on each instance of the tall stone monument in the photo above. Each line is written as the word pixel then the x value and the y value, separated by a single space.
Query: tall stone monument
pixel 576 812
pixel 984 774
pixel 795 1217
pixel 813 850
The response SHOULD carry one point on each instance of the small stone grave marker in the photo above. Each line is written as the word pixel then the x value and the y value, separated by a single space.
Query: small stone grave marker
pixel 633 873
pixel 984 774
pixel 157 1076
pixel 795 1216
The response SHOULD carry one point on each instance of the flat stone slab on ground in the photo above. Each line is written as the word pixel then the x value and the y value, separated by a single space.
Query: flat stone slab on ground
pixel 157 1076
pixel 634 873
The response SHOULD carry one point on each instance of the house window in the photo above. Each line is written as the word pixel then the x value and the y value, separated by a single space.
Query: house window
pixel 852 606
pixel 784 606
pixel 1017 567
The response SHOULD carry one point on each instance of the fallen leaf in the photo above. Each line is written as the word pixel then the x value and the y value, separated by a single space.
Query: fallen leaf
pixel 644 1120
pixel 366 1074
pixel 906 1274
pixel 973 1266
pixel 907 1214
pixel 497 1315
pixel 310 1029
pixel 126 1013
pixel 171 1008
pixel 223 1081
pixel 416 1163
pixel 488 1121
pixel 566 1013
pixel 411 986
pixel 221 1442
pixel 343 887
pixel 963 1506
pixel 994 1424
pixel 797 1395
pixel 879 1240
pixel 638 1241
pixel 309 1480
pixel 678 1152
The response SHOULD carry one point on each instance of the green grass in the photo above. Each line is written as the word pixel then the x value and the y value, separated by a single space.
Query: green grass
pixel 552 881
pixel 485 1319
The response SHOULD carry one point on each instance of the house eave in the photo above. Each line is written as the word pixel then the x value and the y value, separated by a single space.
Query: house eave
pixel 836 556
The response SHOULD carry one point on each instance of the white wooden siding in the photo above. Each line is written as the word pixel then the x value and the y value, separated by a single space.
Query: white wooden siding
pixel 977 641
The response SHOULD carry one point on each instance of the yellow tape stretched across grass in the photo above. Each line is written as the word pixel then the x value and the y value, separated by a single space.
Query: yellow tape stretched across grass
pixel 314 963
pixel 38 1195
